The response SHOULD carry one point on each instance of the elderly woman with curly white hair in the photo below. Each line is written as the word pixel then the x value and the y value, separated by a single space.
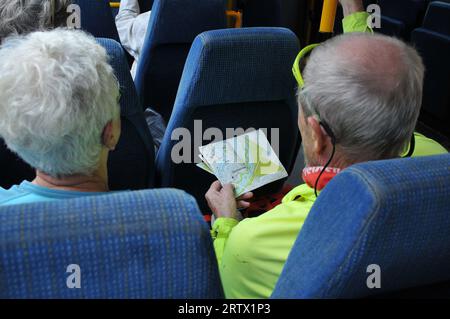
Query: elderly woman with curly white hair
pixel 59 112
pixel 18 17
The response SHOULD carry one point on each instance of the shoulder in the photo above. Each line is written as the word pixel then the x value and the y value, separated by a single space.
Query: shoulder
pixel 143 19
pixel 11 195
pixel 278 226
pixel 426 146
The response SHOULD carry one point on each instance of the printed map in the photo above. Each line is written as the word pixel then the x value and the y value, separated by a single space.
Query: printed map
pixel 247 161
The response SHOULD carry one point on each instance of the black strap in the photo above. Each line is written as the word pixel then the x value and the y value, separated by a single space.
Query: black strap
pixel 412 147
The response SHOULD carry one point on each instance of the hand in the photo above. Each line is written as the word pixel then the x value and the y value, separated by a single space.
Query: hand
pixel 351 6
pixel 222 202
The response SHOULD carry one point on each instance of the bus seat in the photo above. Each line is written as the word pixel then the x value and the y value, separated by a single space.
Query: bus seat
pixel 435 49
pixel 123 244
pixel 393 27
pixel 433 43
pixel 131 165
pixel 261 13
pixel 173 26
pixel 145 5
pixel 399 17
pixel 437 18
pixel 392 214
pixel 97 18
pixel 233 78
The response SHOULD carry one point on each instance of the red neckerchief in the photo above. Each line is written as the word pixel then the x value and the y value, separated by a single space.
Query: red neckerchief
pixel 265 203
pixel 311 174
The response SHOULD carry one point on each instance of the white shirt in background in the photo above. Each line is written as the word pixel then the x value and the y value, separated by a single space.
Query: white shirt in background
pixel 132 27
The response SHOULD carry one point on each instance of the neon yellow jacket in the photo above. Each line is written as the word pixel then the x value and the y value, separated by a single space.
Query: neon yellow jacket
pixel 251 254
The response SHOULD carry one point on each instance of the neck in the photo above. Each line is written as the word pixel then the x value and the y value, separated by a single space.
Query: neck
pixel 96 182
pixel 338 163
pixel 338 160
pixel 77 183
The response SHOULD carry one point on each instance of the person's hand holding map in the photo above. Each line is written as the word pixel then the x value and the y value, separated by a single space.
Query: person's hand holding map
pixel 247 161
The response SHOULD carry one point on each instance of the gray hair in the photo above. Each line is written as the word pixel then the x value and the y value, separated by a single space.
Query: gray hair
pixel 57 93
pixel 368 89
pixel 24 16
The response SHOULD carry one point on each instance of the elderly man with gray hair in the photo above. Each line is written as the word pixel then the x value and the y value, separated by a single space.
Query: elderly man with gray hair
pixel 59 112
pixel 359 100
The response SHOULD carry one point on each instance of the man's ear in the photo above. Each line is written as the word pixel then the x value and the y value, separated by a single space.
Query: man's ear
pixel 319 136
pixel 109 139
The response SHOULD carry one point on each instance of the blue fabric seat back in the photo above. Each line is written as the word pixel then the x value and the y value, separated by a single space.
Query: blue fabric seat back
pixel 144 244
pixel 145 5
pixel 173 26
pixel 97 18
pixel 233 78
pixel 407 11
pixel 399 17
pixel 433 43
pixel 261 13
pixel 131 165
pixel 435 50
pixel 437 18
pixel 394 214
pixel 393 27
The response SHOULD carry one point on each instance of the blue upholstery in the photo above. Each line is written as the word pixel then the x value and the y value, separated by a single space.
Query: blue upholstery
pixel 173 26
pixel 145 5
pixel 114 11
pixel 131 165
pixel 399 17
pixel 145 244
pixel 437 18
pixel 261 13
pixel 233 78
pixel 433 43
pixel 393 27
pixel 97 18
pixel 435 50
pixel 391 213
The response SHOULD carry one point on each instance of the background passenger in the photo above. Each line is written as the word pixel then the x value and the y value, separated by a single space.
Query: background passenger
pixel 21 17
pixel 132 27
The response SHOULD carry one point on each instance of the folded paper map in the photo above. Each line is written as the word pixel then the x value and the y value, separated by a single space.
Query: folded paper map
pixel 247 161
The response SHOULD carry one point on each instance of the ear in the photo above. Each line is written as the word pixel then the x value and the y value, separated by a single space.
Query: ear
pixel 319 136
pixel 301 122
pixel 109 139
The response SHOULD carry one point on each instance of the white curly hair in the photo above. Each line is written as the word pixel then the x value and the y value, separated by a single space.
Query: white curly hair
pixel 57 93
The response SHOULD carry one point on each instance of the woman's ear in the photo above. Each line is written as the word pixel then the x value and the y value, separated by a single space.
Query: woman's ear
pixel 109 136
